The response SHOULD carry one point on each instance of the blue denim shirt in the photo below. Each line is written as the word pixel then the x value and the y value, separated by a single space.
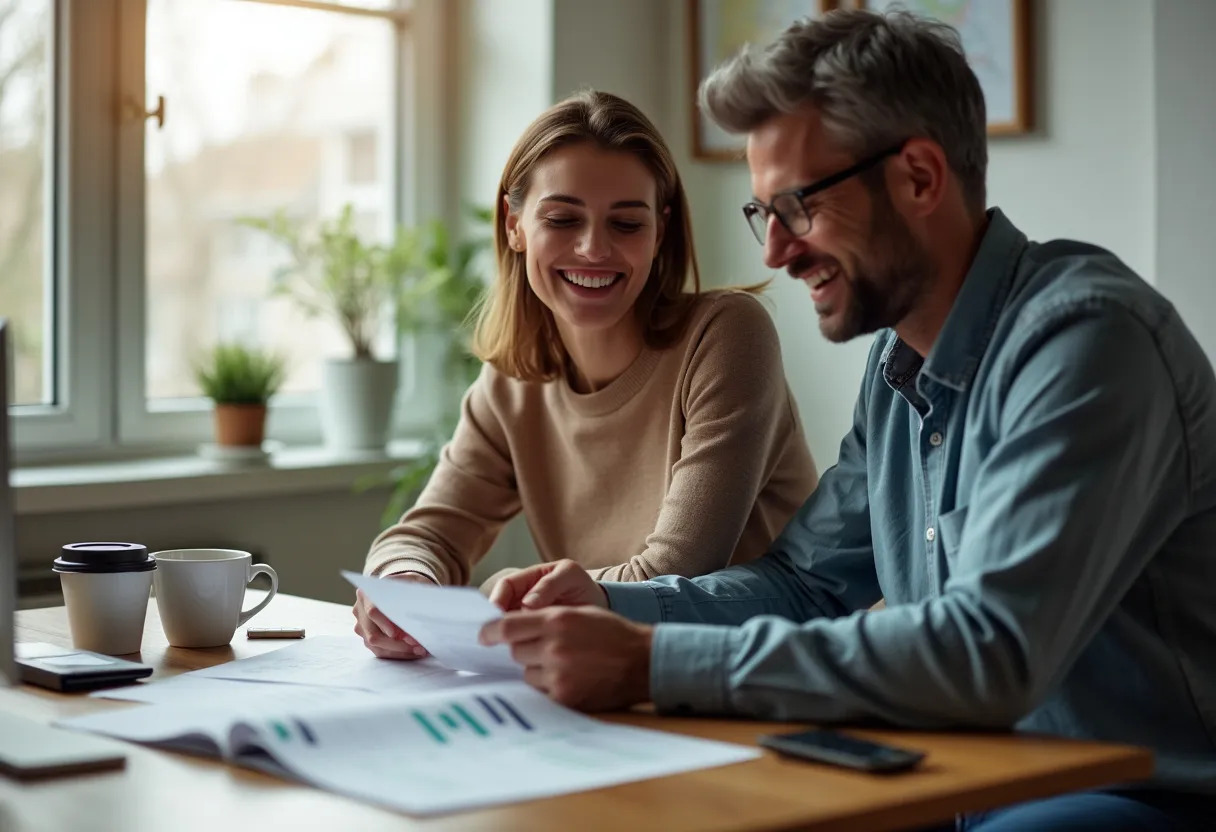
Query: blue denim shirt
pixel 1036 500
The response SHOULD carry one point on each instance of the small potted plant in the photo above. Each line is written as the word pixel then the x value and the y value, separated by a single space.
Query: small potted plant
pixel 360 286
pixel 240 380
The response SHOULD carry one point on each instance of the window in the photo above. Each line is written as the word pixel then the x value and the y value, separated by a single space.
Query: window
pixel 361 158
pixel 119 275
pixel 26 58
pixel 263 100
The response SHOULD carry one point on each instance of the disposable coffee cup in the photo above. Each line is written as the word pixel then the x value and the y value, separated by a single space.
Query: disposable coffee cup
pixel 105 588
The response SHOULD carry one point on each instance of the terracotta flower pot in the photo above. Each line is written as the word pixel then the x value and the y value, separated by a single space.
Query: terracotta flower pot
pixel 240 424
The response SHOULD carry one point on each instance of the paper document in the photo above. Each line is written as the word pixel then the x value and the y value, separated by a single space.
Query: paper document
pixel 424 752
pixel 339 662
pixel 444 619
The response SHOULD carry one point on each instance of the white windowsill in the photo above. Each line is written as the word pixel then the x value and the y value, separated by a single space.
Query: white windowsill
pixel 129 483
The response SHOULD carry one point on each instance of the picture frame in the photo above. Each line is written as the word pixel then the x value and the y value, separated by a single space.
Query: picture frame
pixel 716 30
pixel 996 37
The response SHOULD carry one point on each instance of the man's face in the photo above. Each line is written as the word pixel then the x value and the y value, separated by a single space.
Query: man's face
pixel 863 266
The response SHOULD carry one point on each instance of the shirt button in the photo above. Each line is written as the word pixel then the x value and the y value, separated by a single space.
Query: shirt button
pixel 930 534
pixel 935 439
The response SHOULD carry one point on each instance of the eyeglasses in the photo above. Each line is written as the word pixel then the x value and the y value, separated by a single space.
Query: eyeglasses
pixel 790 206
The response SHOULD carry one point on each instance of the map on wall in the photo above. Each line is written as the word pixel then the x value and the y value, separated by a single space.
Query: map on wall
pixel 995 38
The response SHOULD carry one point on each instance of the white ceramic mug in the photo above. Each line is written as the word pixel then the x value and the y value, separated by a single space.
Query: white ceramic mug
pixel 199 593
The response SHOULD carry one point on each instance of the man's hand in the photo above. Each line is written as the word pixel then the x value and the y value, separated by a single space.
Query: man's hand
pixel 584 658
pixel 561 583
pixel 383 637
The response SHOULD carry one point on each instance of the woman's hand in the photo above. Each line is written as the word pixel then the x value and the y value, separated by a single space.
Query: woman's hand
pixel 384 638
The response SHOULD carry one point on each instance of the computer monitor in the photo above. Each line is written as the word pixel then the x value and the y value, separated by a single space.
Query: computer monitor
pixel 8 534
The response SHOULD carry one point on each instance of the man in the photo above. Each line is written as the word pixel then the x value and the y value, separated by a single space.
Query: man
pixel 1030 480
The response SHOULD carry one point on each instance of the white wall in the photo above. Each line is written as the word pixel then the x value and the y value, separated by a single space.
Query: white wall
pixel 618 47
pixel 1087 172
pixel 1185 65
pixel 504 69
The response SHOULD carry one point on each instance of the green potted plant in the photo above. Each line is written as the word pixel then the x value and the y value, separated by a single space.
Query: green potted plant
pixel 360 286
pixel 240 380
pixel 450 285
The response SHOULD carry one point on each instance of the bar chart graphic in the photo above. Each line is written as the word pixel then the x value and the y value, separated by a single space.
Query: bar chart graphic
pixel 282 728
pixel 480 716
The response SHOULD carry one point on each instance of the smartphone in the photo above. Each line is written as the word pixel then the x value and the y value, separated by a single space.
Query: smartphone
pixel 78 670
pixel 842 750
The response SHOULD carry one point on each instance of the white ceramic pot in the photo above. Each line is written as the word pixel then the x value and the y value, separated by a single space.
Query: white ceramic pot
pixel 357 399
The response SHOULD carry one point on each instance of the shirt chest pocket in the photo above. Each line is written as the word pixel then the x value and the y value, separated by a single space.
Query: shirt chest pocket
pixel 950 532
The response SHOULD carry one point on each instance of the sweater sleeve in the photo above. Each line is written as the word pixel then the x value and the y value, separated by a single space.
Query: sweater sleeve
pixel 739 420
pixel 463 507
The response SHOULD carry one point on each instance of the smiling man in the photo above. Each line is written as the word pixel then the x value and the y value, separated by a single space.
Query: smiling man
pixel 1030 479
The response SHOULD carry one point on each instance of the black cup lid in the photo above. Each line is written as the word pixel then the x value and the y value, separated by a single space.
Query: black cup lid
pixel 104 557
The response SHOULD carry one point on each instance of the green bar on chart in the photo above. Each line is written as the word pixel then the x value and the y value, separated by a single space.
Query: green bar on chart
pixel 430 729
pixel 467 717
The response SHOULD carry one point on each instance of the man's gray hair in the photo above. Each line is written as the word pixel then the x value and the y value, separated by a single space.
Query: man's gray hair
pixel 876 80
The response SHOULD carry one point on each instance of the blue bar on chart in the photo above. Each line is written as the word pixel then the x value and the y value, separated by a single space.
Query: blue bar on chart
pixel 306 732
pixel 514 713
pixel 494 715
pixel 444 725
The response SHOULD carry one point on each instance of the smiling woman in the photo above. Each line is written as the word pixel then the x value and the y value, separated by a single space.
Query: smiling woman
pixel 643 427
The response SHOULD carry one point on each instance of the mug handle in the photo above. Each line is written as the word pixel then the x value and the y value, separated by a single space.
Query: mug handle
pixel 256 569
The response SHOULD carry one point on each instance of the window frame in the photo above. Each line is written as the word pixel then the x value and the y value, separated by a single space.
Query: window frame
pixel 98 255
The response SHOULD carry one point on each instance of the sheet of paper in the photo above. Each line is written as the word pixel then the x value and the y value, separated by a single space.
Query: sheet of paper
pixel 338 662
pixel 444 619
pixel 480 746
pixel 195 714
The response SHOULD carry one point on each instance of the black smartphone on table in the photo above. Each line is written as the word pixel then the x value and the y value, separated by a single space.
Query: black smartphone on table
pixel 839 749
pixel 69 671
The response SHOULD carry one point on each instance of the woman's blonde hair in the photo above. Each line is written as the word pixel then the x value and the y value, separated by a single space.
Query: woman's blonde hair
pixel 515 332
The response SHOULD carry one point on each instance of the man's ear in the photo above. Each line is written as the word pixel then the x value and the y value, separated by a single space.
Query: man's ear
pixel 515 232
pixel 918 178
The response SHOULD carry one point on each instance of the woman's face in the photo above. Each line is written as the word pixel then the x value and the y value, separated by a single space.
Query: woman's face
pixel 589 229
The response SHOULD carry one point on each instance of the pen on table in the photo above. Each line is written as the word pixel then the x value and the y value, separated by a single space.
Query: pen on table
pixel 275 632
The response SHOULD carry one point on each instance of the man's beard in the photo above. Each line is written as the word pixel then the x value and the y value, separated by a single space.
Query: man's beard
pixel 889 281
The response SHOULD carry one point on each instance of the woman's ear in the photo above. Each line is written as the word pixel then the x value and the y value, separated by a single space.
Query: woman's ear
pixel 515 232
pixel 662 229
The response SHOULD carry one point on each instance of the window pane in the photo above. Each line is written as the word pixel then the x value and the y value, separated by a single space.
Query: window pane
pixel 267 107
pixel 25 88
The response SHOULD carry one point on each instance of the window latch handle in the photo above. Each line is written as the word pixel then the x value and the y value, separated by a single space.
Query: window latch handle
pixel 133 110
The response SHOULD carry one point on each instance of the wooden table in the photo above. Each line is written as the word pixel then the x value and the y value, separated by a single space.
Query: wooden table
pixel 160 790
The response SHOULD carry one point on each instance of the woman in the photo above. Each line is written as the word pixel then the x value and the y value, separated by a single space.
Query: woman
pixel 644 427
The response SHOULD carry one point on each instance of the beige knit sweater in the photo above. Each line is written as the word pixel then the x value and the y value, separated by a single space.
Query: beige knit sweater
pixel 694 458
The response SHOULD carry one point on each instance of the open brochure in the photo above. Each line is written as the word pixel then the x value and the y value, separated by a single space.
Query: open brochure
pixel 421 753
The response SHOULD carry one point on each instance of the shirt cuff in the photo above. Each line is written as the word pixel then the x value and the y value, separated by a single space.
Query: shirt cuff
pixel 635 601
pixel 688 668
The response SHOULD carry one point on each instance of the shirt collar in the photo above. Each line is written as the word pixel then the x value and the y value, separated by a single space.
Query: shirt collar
pixel 960 346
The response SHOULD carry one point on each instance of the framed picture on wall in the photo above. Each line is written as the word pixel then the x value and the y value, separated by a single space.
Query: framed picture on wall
pixel 996 38
pixel 717 29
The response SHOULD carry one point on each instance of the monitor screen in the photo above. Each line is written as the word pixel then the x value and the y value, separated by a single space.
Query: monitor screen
pixel 8 542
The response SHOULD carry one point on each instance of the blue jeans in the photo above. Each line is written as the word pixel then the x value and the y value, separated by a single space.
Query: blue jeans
pixel 1131 811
